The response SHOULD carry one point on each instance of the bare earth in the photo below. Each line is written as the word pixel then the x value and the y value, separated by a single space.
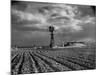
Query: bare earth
pixel 28 60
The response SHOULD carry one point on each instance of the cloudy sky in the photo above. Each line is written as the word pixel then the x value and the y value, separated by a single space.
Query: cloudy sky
pixel 30 22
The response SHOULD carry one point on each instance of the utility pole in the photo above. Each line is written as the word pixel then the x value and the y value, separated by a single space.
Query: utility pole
pixel 51 29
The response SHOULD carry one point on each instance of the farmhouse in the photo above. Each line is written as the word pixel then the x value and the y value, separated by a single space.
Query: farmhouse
pixel 74 44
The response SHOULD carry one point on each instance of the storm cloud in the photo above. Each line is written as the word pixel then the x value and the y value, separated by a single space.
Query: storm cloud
pixel 30 20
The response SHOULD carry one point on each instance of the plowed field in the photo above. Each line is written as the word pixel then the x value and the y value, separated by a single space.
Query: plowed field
pixel 28 60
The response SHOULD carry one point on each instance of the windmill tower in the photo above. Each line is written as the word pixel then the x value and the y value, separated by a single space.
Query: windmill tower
pixel 51 29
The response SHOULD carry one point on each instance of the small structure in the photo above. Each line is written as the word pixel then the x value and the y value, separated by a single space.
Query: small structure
pixel 74 44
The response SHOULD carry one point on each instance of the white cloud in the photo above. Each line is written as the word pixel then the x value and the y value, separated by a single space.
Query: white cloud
pixel 28 16
pixel 88 19
pixel 70 10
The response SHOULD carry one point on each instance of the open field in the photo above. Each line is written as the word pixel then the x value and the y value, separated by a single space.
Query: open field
pixel 28 60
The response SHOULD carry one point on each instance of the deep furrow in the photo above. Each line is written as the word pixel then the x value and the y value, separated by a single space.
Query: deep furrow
pixel 14 56
pixel 37 64
pixel 15 61
pixel 16 70
pixel 82 56
pixel 77 59
pixel 54 64
pixel 32 63
pixel 20 67
pixel 66 63
pixel 84 60
pixel 82 63
pixel 45 66
pixel 26 65
pixel 49 63
pixel 91 58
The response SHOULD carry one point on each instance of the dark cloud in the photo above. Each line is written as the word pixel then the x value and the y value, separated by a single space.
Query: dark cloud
pixel 94 9
pixel 19 5
pixel 87 10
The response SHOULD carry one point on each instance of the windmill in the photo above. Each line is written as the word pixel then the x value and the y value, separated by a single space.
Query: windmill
pixel 51 29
